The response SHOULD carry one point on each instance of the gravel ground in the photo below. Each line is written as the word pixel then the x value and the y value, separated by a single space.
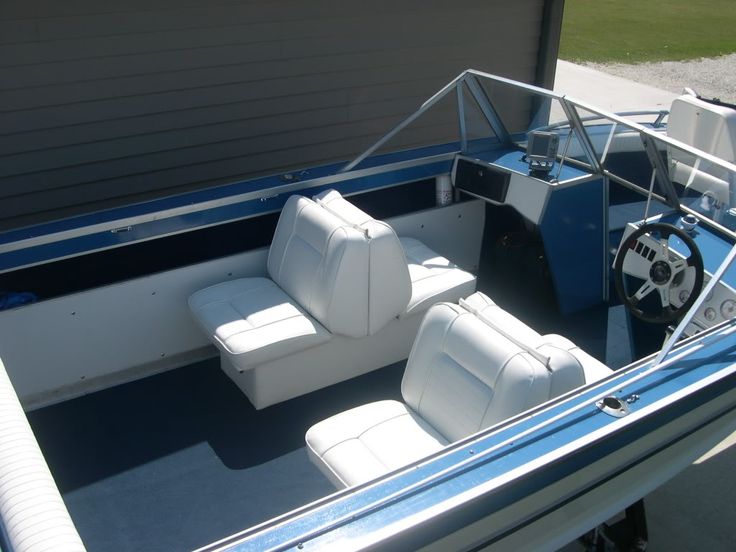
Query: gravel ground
pixel 709 77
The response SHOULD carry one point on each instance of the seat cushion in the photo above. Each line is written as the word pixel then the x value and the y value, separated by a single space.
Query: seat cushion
pixel 360 444
pixel 254 321
pixel 389 284
pixel 433 278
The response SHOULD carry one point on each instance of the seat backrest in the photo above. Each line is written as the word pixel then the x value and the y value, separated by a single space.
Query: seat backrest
pixel 704 125
pixel 708 127
pixel 352 277
pixel 497 317
pixel 463 375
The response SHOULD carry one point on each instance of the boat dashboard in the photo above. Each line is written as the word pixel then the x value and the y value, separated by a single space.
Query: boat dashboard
pixel 719 306
pixel 565 205
pixel 504 177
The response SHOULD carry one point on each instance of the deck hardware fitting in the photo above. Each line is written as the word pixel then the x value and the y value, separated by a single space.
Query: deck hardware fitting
pixel 613 406
pixel 121 229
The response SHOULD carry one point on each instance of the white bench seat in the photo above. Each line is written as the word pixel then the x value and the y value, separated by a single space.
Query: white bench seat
pixel 463 375
pixel 344 297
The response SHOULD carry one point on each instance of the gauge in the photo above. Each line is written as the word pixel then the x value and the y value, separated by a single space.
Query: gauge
pixel 710 314
pixel 728 309
pixel 683 295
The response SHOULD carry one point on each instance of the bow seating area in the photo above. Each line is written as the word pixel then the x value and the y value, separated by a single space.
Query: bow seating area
pixel 472 365
pixel 345 296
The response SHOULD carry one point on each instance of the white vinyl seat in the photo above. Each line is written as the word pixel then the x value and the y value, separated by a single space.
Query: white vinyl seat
pixel 367 441
pixel 463 375
pixel 433 278
pixel 340 285
pixel 254 320
pixel 710 128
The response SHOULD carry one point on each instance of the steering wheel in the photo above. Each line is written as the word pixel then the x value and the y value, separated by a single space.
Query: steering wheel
pixel 645 255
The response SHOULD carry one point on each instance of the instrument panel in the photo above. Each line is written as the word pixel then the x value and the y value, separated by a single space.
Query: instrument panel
pixel 719 305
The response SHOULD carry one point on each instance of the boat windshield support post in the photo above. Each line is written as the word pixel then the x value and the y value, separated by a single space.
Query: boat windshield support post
pixel 486 107
pixel 655 158
pixel 658 121
pixel 698 302
pixel 649 196
pixel 577 124
pixel 561 164
pixel 405 123
pixel 461 116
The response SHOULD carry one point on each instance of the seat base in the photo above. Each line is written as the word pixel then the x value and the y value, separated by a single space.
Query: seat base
pixel 336 360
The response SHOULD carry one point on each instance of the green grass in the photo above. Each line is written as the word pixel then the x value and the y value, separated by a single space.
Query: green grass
pixel 632 31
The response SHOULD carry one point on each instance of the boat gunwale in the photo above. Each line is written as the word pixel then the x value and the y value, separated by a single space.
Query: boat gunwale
pixel 261 535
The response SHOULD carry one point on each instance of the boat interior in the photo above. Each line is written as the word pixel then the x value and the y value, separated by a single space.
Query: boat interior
pixel 188 387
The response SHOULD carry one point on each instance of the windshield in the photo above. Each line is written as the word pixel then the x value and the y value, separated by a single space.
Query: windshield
pixel 638 151
pixel 633 150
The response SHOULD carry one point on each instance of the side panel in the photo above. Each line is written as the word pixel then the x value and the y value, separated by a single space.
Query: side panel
pixel 85 341
pixel 90 340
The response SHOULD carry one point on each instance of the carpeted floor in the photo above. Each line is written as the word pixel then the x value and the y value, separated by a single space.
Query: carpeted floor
pixel 181 459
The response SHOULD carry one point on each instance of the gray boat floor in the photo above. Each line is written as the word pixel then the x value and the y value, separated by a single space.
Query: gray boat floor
pixel 181 459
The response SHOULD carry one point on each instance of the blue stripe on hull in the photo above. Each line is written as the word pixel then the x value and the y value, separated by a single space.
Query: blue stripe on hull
pixel 201 218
